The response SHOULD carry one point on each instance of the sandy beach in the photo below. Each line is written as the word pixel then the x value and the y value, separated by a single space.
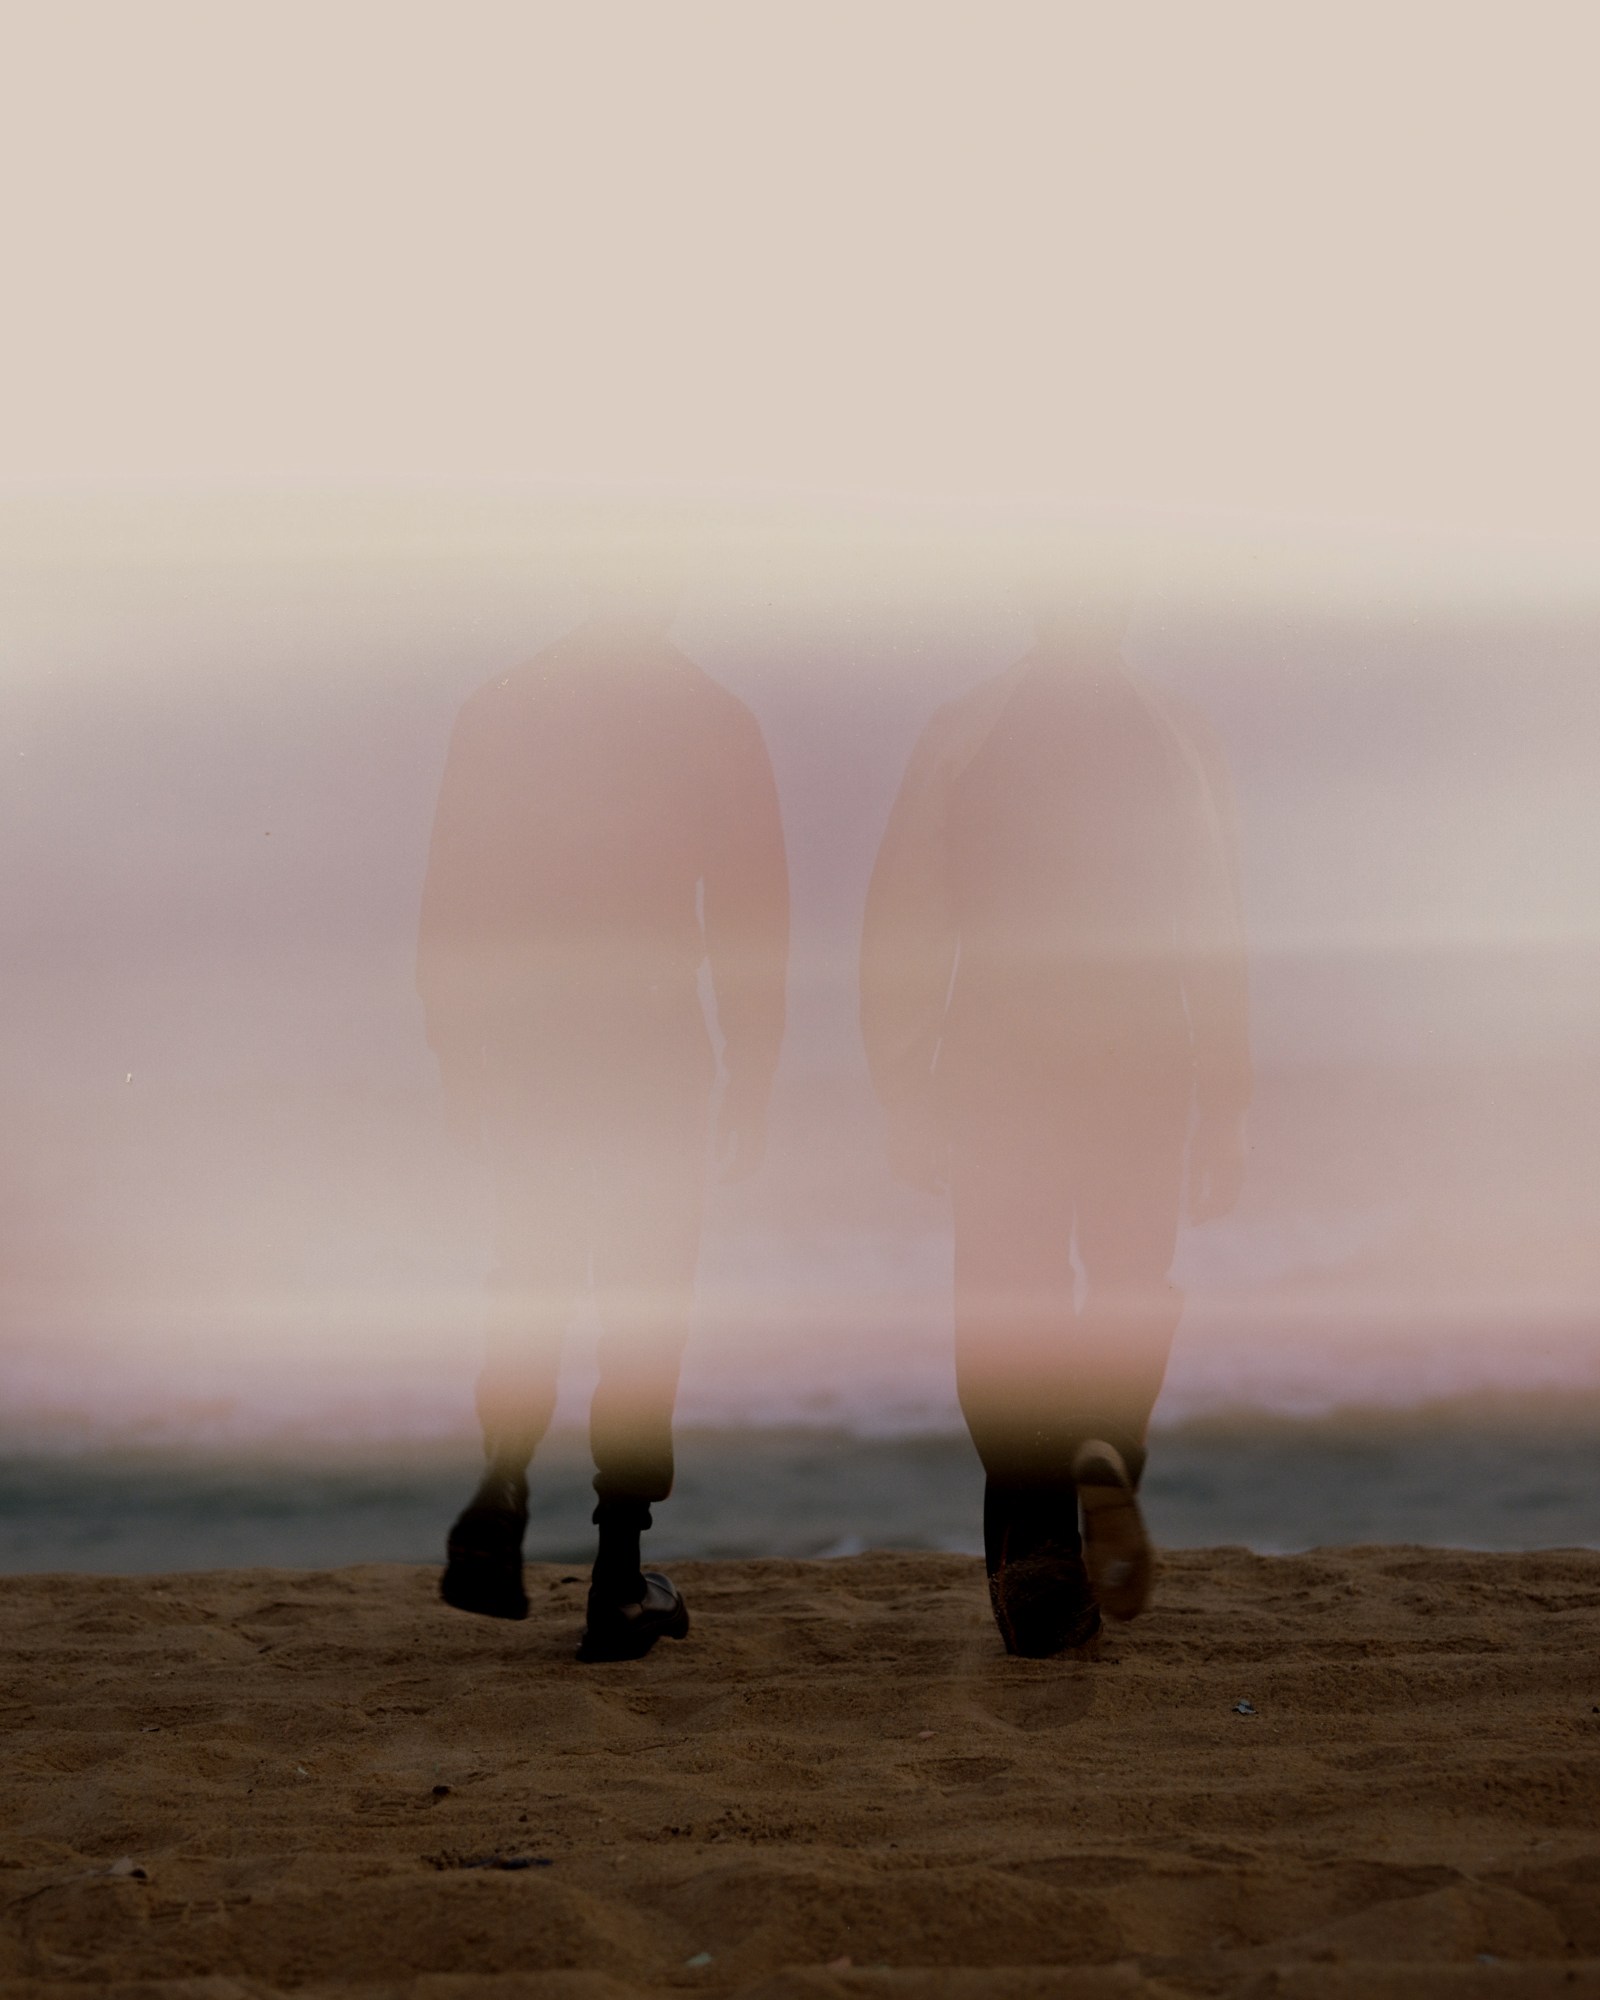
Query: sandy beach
pixel 1351 1773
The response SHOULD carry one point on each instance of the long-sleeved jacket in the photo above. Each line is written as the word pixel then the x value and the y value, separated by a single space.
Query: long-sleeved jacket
pixel 606 823
pixel 1058 881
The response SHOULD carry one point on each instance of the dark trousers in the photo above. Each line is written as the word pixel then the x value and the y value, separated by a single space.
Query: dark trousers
pixel 599 1194
pixel 1051 1351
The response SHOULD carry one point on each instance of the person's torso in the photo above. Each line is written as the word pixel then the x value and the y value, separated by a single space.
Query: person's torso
pixel 591 834
pixel 1064 846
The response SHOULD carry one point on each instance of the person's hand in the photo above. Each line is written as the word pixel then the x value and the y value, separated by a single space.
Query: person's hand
pixel 1216 1165
pixel 741 1130
pixel 919 1152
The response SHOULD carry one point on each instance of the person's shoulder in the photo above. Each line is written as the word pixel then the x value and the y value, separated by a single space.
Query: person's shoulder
pixel 1187 726
pixel 1174 711
pixel 959 726
pixel 982 696
pixel 712 700
pixel 513 686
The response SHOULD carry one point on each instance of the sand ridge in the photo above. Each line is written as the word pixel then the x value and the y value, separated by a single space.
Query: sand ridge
pixel 259 1781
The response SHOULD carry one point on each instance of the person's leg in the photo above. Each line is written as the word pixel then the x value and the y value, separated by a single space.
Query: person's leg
pixel 1128 1207
pixel 1128 1210
pixel 647 1248
pixel 630 1435
pixel 1011 1186
pixel 1040 1381
pixel 1011 1210
pixel 542 1249
pixel 516 1391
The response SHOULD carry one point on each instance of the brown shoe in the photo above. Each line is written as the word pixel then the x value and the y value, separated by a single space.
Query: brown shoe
pixel 1115 1545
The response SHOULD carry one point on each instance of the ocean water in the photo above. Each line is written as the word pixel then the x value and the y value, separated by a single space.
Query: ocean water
pixel 1469 1474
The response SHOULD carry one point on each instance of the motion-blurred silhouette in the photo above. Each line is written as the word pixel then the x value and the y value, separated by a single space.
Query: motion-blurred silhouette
pixel 608 820
pixel 1053 993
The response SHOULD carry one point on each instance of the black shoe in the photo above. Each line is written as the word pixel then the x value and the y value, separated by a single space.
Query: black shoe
pixel 628 1631
pixel 484 1571
pixel 1043 1606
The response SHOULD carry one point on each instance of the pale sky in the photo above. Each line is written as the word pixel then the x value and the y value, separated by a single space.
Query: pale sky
pixel 1315 263
pixel 322 317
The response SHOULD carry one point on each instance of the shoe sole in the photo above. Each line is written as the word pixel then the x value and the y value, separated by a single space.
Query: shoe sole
pixel 1042 1633
pixel 1086 1649
pixel 1116 1546
pixel 598 1652
pixel 481 1584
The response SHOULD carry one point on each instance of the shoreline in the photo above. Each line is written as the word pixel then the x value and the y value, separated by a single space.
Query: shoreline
pixel 1482 1479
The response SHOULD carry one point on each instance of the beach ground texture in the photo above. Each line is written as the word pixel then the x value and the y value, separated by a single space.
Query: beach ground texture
pixel 1367 1772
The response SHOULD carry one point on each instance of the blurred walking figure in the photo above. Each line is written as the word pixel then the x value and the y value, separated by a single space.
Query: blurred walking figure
pixel 608 820
pixel 1054 1006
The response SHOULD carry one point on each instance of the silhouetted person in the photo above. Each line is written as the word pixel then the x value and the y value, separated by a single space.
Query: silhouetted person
pixel 1053 992
pixel 608 820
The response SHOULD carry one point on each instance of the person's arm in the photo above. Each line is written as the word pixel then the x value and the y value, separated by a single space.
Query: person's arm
pixel 909 942
pixel 1216 976
pixel 745 911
